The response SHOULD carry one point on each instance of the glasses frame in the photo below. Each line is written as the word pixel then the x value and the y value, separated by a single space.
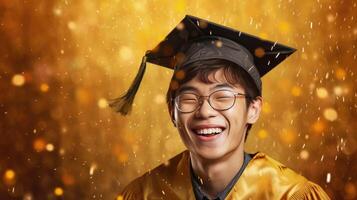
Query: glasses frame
pixel 201 100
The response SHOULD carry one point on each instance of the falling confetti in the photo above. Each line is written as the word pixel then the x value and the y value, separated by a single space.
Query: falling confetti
pixel 328 178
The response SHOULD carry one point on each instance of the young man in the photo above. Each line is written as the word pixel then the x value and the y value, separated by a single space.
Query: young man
pixel 213 99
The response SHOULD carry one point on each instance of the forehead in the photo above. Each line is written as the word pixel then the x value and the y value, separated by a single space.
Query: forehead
pixel 212 80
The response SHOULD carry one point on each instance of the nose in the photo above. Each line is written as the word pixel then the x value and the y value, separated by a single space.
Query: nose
pixel 205 110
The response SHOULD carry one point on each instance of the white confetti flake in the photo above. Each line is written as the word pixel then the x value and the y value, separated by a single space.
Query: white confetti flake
pixel 92 168
pixel 328 178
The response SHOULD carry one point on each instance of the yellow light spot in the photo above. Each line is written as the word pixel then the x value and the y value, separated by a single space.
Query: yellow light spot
pixel 9 174
pixel 340 73
pixel 337 90
pixel 102 103
pixel 167 163
pixel 219 44
pixel 351 191
pixel 18 80
pixel 44 87
pixel 180 26
pixel 321 93
pixel 287 136
pixel 318 126
pixel 330 114
pixel 68 179
pixel 180 74
pixel 71 25
pixel 50 147
pixel 259 52
pixel 58 191
pixel 284 27
pixel 262 134
pixel 82 96
pixel 174 85
pixel 39 144
pixel 315 56
pixel 120 197
pixel 126 53
pixel 57 11
pixel 304 154
pixel 330 18
pixel 159 99
pixel 296 91
pixel 180 57
pixel 123 157
pixel 266 108
pixel 9 177
pixel 62 151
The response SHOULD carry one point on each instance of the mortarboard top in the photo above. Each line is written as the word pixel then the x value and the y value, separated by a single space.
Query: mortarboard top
pixel 195 39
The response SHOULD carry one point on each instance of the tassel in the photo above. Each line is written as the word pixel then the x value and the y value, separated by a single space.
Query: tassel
pixel 123 104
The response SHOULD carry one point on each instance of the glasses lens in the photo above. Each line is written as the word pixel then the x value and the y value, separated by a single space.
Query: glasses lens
pixel 187 102
pixel 222 100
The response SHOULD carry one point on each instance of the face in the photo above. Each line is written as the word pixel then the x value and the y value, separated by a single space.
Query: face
pixel 227 127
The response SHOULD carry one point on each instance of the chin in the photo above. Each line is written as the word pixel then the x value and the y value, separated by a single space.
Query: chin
pixel 210 153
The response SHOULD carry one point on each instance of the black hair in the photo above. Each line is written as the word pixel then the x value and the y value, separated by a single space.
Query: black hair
pixel 233 73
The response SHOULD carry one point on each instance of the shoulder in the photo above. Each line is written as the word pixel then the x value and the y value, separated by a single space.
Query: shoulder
pixel 157 180
pixel 269 175
pixel 308 190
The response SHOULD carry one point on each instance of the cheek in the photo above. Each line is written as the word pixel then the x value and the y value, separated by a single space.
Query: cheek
pixel 181 121
pixel 236 119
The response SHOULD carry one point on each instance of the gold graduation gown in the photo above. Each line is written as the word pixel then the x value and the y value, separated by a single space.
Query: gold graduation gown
pixel 263 178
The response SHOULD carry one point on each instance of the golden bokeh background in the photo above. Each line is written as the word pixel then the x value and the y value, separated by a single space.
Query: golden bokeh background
pixel 61 61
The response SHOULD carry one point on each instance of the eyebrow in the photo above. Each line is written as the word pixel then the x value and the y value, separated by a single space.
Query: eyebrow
pixel 186 88
pixel 190 88
pixel 223 85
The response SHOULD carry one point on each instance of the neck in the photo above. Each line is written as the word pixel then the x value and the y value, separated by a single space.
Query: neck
pixel 216 174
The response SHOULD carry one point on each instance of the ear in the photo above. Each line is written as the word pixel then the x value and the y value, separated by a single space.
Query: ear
pixel 254 110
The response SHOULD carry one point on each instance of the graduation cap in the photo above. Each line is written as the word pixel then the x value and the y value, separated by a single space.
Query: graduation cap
pixel 195 39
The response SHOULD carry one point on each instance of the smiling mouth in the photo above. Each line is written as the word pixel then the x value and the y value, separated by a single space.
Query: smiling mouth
pixel 208 131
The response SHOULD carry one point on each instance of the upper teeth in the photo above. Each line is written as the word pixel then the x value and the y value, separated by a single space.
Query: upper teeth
pixel 209 130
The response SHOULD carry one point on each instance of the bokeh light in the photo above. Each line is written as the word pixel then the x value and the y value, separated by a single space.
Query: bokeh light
pixel 330 114
pixel 321 92
pixel 9 177
pixel 44 87
pixel 102 103
pixel 58 191
pixel 18 80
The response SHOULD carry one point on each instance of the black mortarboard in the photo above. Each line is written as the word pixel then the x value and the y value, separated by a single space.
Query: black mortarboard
pixel 195 39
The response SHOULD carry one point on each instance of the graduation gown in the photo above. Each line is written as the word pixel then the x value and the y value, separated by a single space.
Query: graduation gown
pixel 263 178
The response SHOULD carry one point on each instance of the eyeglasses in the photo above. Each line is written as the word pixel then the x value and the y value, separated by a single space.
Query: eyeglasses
pixel 219 100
